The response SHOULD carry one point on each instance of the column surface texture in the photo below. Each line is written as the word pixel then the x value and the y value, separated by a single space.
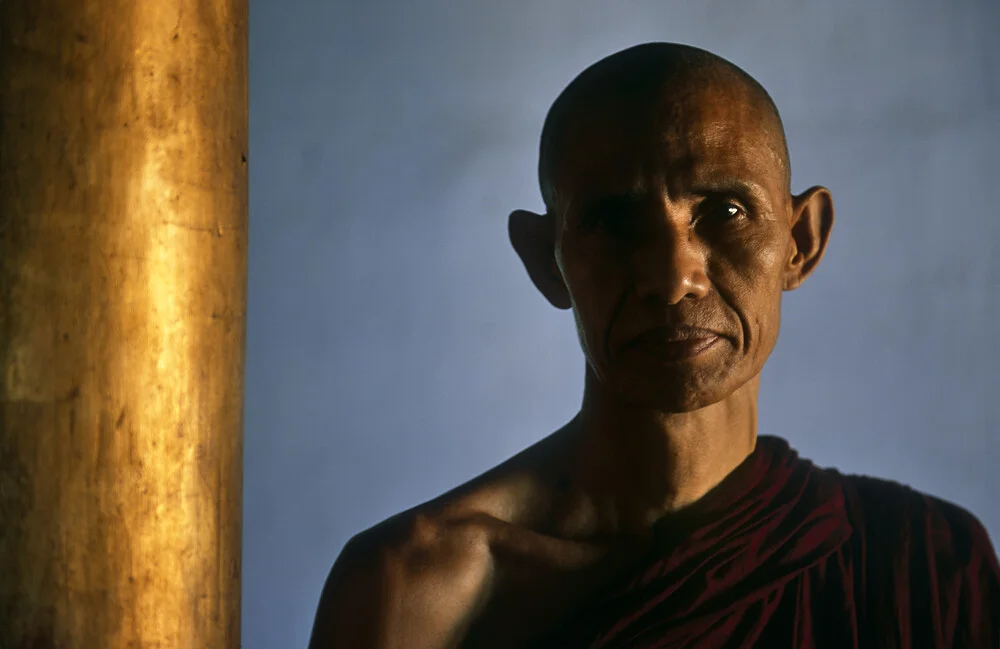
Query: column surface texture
pixel 123 252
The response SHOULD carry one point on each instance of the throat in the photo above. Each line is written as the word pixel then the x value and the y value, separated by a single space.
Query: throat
pixel 623 474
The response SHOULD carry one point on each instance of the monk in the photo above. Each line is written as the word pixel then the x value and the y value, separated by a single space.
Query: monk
pixel 657 517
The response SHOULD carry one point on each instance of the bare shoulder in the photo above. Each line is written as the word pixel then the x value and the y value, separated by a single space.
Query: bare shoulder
pixel 426 573
pixel 416 576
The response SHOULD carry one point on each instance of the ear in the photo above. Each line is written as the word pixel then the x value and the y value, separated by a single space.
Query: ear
pixel 812 221
pixel 534 239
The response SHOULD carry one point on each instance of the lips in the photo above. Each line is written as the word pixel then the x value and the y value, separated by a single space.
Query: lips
pixel 674 343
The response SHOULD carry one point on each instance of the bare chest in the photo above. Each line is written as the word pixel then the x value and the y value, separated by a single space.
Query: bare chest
pixel 539 583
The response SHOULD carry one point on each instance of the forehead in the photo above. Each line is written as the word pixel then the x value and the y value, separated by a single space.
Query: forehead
pixel 673 141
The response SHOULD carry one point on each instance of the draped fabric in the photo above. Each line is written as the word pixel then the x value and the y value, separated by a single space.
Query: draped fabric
pixel 785 554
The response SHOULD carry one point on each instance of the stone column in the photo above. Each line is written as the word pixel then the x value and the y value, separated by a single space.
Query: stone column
pixel 123 251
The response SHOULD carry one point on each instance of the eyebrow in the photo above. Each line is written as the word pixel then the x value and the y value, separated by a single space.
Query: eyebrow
pixel 729 185
pixel 612 200
pixel 749 191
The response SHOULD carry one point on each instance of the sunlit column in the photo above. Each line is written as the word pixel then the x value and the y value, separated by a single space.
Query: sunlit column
pixel 123 251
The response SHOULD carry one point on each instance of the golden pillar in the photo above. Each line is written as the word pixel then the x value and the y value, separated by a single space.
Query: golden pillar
pixel 123 243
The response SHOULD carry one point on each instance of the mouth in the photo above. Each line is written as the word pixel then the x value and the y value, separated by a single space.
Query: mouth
pixel 672 344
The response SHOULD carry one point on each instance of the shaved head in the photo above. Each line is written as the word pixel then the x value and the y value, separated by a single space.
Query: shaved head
pixel 666 183
pixel 656 78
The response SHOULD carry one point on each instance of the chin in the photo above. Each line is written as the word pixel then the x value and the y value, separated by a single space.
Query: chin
pixel 674 391
pixel 674 401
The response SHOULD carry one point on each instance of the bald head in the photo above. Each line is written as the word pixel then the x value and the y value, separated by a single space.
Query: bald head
pixel 662 83
pixel 666 185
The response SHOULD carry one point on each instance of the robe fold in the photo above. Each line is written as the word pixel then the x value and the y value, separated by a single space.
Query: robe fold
pixel 785 554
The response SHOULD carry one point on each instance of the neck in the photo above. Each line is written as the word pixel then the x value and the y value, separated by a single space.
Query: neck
pixel 633 465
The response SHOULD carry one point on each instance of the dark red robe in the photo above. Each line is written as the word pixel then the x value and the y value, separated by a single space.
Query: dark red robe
pixel 787 555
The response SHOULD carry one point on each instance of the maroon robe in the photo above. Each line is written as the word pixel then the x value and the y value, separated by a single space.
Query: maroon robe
pixel 787 555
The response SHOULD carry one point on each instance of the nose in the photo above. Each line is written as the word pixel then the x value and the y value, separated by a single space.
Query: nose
pixel 669 265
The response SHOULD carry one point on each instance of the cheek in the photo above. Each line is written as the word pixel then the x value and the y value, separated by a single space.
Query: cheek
pixel 756 262
pixel 594 284
pixel 759 249
pixel 767 291
pixel 753 270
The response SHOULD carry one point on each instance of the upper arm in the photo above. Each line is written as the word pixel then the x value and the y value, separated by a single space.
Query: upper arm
pixel 416 584
pixel 349 603
pixel 931 570
pixel 979 601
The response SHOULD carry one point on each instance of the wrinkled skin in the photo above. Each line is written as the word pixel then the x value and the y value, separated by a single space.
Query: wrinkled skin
pixel 669 209
pixel 686 222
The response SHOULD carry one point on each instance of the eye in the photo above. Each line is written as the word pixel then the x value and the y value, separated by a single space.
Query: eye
pixel 617 214
pixel 732 211
pixel 722 211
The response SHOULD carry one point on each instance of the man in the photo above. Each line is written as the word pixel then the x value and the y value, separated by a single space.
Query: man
pixel 657 517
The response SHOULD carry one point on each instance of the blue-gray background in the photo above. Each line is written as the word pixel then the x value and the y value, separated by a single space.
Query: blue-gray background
pixel 396 347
